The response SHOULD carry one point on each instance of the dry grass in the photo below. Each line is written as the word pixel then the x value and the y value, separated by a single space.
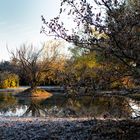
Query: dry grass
pixel 34 93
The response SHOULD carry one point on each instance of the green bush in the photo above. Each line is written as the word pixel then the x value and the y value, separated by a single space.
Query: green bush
pixel 8 80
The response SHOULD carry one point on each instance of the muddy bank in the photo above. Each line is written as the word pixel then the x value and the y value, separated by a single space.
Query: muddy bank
pixel 68 129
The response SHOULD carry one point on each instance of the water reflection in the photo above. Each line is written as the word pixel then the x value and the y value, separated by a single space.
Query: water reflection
pixel 88 106
pixel 110 107
pixel 35 108
pixel 135 106
pixel 7 103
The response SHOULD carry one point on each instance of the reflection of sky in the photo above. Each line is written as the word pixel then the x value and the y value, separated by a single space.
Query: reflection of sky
pixel 135 108
pixel 81 109
pixel 19 111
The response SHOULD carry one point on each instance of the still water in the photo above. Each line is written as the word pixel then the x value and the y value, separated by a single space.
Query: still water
pixel 58 106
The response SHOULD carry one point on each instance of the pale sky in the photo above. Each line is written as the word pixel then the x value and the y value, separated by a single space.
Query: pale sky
pixel 20 22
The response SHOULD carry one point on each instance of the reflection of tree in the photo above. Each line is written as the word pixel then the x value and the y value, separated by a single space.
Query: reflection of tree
pixel 58 101
pixel 35 108
pixel 92 106
pixel 98 106
pixel 114 107
pixel 6 102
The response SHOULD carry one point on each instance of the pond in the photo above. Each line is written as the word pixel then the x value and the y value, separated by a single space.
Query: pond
pixel 59 106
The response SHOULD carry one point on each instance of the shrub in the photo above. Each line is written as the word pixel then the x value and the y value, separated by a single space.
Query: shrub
pixel 8 80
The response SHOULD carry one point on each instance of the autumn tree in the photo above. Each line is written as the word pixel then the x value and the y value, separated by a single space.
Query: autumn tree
pixel 27 59
pixel 117 26
pixel 56 59
pixel 36 64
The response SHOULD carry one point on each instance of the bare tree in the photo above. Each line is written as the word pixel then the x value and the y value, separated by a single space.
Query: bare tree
pixel 35 63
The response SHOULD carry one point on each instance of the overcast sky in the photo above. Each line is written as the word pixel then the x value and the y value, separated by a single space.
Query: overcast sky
pixel 20 22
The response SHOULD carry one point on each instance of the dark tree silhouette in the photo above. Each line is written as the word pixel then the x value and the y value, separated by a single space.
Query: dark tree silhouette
pixel 117 24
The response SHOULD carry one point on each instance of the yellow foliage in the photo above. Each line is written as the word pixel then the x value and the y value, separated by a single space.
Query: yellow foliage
pixel 86 60
pixel 8 80
pixel 13 84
